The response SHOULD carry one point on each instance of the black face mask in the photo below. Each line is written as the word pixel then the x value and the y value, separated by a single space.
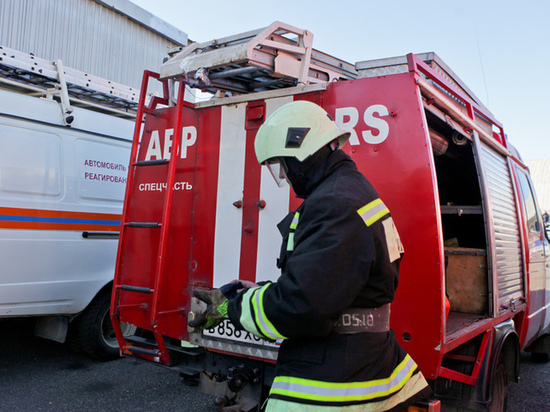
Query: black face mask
pixel 304 176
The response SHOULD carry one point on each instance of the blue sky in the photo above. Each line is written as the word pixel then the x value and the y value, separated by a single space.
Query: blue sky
pixel 500 49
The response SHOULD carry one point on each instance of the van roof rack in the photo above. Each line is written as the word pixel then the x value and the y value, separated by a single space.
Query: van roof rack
pixel 265 59
pixel 43 78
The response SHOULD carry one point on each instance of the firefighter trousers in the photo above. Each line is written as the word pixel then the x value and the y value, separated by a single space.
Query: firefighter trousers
pixel 413 388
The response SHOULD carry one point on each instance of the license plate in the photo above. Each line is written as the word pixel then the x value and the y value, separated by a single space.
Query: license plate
pixel 227 331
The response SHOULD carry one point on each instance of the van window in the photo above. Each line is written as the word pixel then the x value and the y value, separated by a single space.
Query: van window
pixel 30 162
pixel 529 203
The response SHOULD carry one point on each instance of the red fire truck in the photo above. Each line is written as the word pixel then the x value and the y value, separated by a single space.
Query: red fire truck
pixel 474 284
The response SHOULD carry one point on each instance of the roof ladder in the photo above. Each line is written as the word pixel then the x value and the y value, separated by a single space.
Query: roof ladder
pixel 271 58
pixel 44 78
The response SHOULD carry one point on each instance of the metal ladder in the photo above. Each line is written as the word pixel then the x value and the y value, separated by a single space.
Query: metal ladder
pixel 157 349
pixel 265 59
pixel 44 78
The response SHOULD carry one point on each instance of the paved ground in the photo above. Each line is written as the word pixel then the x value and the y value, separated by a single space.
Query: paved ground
pixel 532 393
pixel 39 375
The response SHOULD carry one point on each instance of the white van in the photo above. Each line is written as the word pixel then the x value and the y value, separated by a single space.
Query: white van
pixel 63 173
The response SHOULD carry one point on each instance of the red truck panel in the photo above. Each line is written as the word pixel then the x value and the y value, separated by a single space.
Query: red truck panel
pixel 417 312
pixel 219 229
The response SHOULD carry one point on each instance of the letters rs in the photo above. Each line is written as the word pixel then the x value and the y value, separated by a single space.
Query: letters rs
pixel 348 117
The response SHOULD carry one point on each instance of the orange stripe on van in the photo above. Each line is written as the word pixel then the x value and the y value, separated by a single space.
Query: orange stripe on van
pixel 57 213
pixel 41 219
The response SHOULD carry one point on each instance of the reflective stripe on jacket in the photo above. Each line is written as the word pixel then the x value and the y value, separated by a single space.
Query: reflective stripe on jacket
pixel 253 317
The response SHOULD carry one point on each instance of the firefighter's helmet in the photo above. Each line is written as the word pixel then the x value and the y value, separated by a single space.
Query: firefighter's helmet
pixel 298 129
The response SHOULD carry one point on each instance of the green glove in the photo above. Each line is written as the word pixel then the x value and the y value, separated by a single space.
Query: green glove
pixel 216 309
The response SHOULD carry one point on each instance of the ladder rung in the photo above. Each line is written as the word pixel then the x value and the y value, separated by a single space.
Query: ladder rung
pixel 141 340
pixel 150 111
pixel 151 162
pixel 138 289
pixel 147 225
pixel 143 351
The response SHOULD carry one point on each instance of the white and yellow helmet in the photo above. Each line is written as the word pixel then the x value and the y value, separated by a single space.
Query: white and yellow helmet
pixel 298 129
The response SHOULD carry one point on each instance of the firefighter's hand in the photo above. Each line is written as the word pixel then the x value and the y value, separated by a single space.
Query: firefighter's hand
pixel 236 286
pixel 216 309
pixel 245 283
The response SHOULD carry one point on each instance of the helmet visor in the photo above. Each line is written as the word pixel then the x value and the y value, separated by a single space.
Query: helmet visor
pixel 277 168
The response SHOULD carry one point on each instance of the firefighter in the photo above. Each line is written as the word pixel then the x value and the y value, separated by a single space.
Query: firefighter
pixel 339 264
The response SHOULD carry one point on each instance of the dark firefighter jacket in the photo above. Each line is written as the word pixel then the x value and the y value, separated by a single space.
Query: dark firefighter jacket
pixel 340 250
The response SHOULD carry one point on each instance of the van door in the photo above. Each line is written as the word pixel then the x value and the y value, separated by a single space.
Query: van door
pixel 538 249
pixel 546 323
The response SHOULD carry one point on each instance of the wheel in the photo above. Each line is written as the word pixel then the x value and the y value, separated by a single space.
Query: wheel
pixel 92 333
pixel 500 387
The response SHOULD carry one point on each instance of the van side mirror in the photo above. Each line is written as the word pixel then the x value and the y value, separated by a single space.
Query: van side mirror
pixel 546 221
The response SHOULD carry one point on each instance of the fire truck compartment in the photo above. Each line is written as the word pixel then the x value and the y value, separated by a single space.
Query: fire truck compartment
pixel 463 225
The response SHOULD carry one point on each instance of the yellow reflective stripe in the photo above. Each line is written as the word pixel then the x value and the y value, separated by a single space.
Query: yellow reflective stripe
pixel 290 242
pixel 373 211
pixel 344 391
pixel 264 324
pixel 247 317
pixel 294 223
pixel 293 226
pixel 414 385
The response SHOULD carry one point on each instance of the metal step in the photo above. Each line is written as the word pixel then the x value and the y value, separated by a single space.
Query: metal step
pixel 152 162
pixel 137 289
pixel 143 351
pixel 140 340
pixel 148 347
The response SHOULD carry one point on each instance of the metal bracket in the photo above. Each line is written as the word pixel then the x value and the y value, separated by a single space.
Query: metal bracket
pixel 64 93
pixel 469 379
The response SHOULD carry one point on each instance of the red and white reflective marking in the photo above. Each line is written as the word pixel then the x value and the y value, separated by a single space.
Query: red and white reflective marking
pixel 229 254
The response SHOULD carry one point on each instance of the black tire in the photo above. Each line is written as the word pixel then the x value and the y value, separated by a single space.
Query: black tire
pixel 540 357
pixel 499 390
pixel 92 332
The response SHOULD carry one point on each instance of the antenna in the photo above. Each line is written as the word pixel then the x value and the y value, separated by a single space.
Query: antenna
pixel 482 67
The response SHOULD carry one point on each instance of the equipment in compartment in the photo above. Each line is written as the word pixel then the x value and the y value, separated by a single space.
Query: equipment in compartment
pixel 466 271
